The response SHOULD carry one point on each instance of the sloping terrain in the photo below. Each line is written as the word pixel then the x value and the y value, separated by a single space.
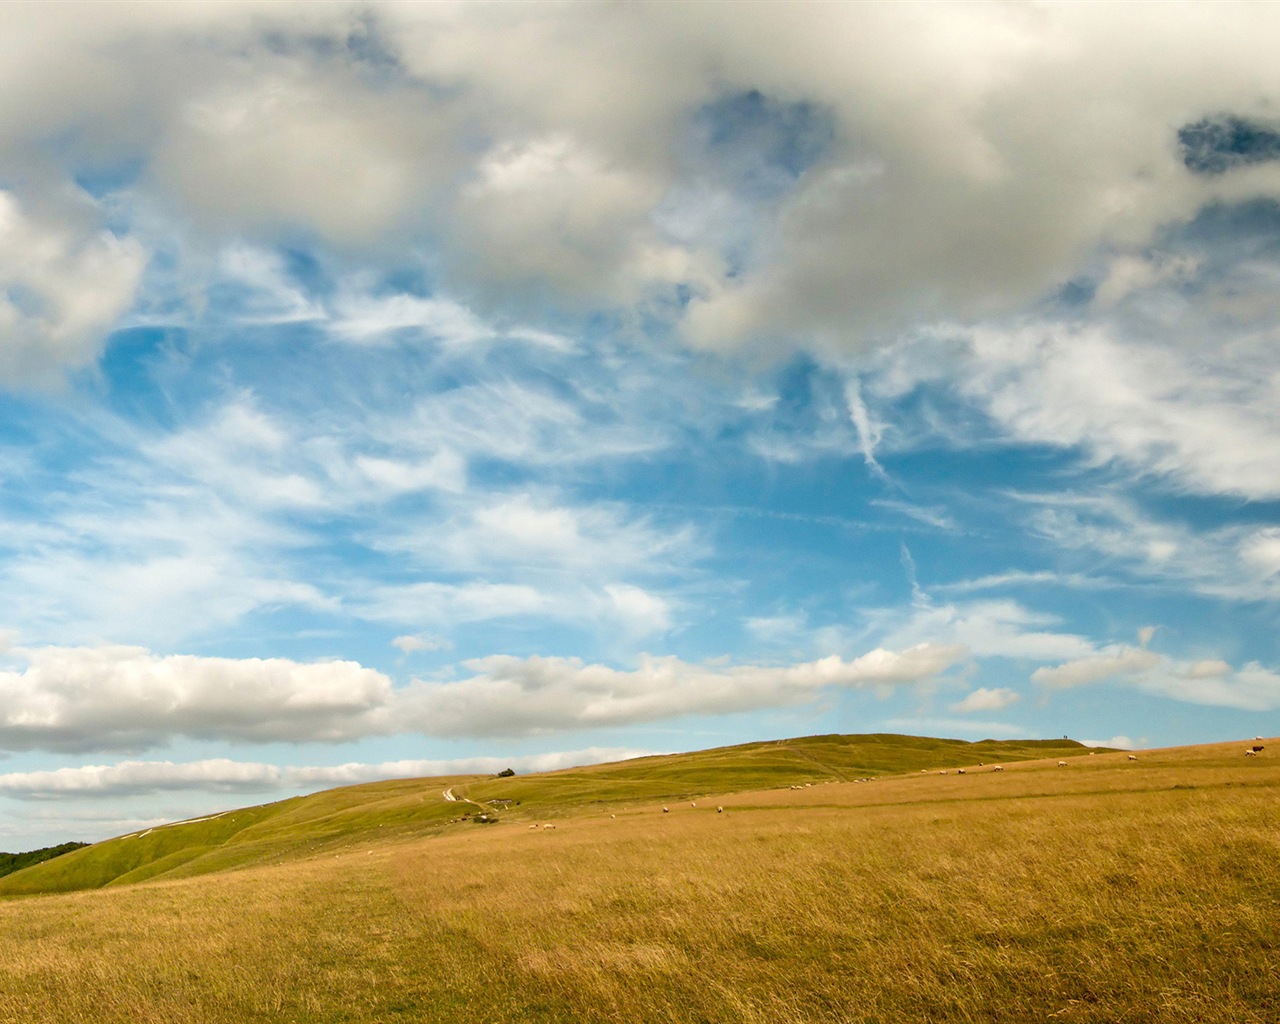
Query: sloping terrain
pixel 417 807
pixel 1098 890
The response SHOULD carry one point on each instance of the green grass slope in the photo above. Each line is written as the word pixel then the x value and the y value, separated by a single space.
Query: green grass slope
pixel 1102 890
pixel 408 808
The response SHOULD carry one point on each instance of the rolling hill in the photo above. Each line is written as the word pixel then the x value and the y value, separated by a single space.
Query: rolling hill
pixel 416 807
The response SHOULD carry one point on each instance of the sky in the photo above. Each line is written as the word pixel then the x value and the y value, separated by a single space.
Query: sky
pixel 411 389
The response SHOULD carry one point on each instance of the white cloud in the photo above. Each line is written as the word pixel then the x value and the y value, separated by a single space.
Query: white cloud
pixel 528 531
pixel 938 188
pixel 63 285
pixel 1204 420
pixel 518 422
pixel 126 698
pixel 639 612
pixel 1211 682
pixel 520 696
pixel 1262 550
pixel 273 298
pixel 445 470
pixel 364 318
pixel 997 628
pixel 983 699
pixel 418 644
pixel 1231 562
pixel 222 775
pixel 297 143
pixel 443 604
pixel 1116 662
pixel 1118 742
pixel 1129 273
pixel 779 629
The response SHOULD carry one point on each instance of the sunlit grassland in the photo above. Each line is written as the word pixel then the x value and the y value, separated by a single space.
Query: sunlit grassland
pixel 1105 891
pixel 415 808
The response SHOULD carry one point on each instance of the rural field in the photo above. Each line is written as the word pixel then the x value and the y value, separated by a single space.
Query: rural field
pixel 1107 889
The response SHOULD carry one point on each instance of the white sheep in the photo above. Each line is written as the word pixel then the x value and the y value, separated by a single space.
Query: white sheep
pixel 997 768
pixel 942 772
pixel 719 810
pixel 1062 764
pixel 533 828
pixel 959 771
pixel 666 810
pixel 548 826
pixel 1249 752
pixel 1133 757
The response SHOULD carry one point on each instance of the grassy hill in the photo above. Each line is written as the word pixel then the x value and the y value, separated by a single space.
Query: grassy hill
pixel 1104 890
pixel 417 807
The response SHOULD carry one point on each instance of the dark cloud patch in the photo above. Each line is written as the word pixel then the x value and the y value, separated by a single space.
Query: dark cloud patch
pixel 1215 145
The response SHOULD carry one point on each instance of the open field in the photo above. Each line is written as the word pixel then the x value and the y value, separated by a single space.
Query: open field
pixel 1108 890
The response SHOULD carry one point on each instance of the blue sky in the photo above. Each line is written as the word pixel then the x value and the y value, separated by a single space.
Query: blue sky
pixel 410 389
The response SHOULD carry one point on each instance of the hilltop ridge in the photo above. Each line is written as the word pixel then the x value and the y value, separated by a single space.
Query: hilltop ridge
pixel 307 825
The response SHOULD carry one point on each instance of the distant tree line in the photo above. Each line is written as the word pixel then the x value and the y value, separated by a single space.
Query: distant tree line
pixel 11 862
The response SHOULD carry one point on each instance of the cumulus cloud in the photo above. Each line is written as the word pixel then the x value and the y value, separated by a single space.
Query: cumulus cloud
pixel 63 285
pixel 222 775
pixel 1122 661
pixel 1209 682
pixel 126 698
pixel 983 699
pixel 519 696
pixel 893 163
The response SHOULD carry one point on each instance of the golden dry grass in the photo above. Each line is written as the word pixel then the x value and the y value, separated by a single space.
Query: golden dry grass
pixel 1107 891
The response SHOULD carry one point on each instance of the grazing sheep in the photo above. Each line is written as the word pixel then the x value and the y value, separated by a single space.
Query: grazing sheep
pixel 942 772
pixel 693 803
pixel 613 816
pixel 719 810
pixel 959 771
pixel 997 768
pixel 666 810
pixel 1248 752
pixel 533 828
pixel 1133 757
pixel 924 771
pixel 1062 764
